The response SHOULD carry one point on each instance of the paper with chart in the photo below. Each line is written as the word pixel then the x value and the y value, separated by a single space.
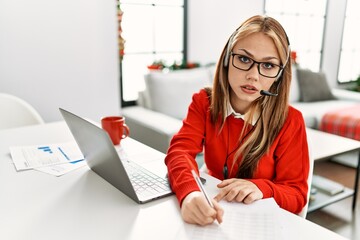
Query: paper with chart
pixel 61 169
pixel 38 156
pixel 254 221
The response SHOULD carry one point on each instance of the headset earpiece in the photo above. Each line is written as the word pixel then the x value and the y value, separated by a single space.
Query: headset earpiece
pixel 228 48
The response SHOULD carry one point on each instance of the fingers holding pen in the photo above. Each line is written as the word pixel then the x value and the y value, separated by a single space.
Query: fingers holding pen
pixel 219 211
pixel 195 209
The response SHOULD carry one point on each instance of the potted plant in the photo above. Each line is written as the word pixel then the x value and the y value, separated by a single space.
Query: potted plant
pixel 356 88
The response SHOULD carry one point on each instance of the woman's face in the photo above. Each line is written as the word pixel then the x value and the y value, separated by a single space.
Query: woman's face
pixel 246 85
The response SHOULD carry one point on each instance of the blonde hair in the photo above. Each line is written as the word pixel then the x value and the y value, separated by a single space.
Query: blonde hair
pixel 273 110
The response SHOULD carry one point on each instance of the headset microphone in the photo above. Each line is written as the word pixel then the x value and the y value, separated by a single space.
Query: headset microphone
pixel 266 93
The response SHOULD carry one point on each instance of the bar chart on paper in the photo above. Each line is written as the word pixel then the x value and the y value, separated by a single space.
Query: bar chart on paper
pixel 30 157
pixel 46 149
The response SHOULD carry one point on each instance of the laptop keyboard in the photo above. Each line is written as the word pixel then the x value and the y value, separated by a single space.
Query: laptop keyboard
pixel 145 182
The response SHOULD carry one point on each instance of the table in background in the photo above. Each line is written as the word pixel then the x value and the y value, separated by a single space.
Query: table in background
pixel 81 205
pixel 324 146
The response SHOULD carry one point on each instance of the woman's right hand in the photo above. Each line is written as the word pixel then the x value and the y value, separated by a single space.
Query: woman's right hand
pixel 196 210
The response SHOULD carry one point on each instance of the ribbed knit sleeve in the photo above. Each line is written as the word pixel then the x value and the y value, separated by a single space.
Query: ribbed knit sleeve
pixel 185 145
pixel 291 157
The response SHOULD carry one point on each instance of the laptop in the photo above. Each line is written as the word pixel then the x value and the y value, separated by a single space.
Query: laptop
pixel 138 183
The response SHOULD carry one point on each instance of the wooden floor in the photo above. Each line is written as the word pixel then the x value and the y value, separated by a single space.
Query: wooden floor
pixel 339 216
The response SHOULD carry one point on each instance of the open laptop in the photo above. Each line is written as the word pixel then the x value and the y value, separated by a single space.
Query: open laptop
pixel 136 182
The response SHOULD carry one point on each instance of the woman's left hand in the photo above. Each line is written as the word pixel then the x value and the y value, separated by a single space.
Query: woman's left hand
pixel 238 190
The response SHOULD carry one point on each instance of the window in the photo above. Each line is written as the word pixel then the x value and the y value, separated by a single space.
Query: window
pixel 349 65
pixel 304 23
pixel 153 31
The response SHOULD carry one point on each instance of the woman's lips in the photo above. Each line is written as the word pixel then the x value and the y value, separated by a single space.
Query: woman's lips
pixel 249 89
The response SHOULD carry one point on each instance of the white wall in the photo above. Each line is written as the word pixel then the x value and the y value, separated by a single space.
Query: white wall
pixel 211 22
pixel 60 53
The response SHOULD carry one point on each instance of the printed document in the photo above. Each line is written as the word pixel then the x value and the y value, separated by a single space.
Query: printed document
pixel 30 157
pixel 61 169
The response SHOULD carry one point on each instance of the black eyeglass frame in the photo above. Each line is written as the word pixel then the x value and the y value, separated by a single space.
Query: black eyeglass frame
pixel 258 65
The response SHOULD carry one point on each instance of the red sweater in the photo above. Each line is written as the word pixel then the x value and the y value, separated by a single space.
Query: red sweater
pixel 282 173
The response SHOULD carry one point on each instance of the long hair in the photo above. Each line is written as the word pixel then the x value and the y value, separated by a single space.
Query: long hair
pixel 272 111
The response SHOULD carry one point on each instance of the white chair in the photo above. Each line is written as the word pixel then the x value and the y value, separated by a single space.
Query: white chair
pixel 15 112
pixel 309 181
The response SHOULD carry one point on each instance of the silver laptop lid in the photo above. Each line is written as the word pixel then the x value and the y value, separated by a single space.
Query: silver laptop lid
pixel 99 153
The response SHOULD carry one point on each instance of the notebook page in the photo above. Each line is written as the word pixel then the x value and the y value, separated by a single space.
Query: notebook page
pixel 254 221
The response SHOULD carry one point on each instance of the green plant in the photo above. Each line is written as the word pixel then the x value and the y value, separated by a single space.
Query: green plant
pixel 358 81
pixel 357 85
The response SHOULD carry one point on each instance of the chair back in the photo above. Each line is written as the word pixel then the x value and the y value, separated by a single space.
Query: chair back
pixel 15 112
pixel 309 181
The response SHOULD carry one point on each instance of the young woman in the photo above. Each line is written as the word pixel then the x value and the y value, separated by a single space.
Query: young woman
pixel 251 138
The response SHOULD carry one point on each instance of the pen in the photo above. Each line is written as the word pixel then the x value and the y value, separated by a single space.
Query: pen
pixel 202 189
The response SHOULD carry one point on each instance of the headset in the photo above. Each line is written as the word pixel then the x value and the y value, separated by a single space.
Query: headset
pixel 228 53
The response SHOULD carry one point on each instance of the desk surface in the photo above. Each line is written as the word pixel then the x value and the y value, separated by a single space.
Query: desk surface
pixel 326 145
pixel 81 205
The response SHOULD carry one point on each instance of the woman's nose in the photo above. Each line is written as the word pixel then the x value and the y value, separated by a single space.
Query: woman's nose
pixel 253 72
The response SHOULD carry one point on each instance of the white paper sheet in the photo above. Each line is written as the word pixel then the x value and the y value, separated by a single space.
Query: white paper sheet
pixel 30 157
pixel 61 169
pixel 254 221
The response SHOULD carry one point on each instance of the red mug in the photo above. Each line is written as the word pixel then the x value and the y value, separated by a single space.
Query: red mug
pixel 116 128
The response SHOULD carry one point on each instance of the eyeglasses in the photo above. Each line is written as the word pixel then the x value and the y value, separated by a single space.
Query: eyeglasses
pixel 266 69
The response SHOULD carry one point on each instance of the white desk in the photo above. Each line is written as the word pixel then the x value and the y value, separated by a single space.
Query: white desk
pixel 81 205
pixel 324 146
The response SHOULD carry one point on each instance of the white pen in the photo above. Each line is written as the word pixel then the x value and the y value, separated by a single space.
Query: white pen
pixel 202 189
